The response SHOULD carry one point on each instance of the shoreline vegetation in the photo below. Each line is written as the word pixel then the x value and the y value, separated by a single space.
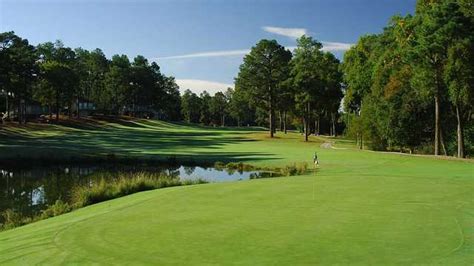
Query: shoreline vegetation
pixel 130 183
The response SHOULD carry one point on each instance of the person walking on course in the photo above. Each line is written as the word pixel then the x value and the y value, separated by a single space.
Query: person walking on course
pixel 315 159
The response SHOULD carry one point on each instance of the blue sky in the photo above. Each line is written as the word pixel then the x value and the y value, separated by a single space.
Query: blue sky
pixel 200 42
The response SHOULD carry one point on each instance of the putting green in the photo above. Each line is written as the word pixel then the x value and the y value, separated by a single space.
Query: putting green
pixel 360 207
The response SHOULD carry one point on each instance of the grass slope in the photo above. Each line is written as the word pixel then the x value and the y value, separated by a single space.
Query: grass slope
pixel 361 207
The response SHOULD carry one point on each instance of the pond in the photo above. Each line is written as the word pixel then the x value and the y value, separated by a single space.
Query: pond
pixel 28 191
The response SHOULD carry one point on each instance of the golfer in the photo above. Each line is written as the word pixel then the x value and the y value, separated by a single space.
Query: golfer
pixel 315 159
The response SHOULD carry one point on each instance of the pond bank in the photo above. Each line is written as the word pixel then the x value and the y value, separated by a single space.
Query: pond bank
pixel 31 192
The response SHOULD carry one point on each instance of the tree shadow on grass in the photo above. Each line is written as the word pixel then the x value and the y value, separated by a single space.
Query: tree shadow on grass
pixel 149 144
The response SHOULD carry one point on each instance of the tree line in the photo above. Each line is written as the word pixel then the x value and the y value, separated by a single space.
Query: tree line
pixel 58 77
pixel 299 89
pixel 411 87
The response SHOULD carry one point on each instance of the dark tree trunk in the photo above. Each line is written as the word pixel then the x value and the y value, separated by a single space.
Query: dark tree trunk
pixel 437 126
pixel 24 112
pixel 319 123
pixel 77 108
pixel 7 107
pixel 330 128
pixel 271 123
pixel 18 112
pixel 271 120
pixel 284 121
pixel 57 105
pixel 280 115
pixel 333 118
pixel 460 133
pixel 441 140
pixel 305 128
pixel 306 123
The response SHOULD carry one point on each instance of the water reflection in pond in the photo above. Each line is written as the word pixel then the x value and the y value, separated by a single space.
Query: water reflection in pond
pixel 28 191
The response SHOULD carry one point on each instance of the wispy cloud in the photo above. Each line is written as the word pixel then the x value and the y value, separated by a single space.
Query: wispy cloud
pixel 197 86
pixel 293 33
pixel 336 46
pixel 206 54
pixel 327 46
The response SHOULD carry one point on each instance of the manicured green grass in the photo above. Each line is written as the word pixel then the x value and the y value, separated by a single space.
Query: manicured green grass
pixel 360 207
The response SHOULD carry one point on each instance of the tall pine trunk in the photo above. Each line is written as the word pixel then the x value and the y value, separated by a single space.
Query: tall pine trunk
pixel 437 126
pixel 333 118
pixel 306 122
pixel 460 133
pixel 18 112
pixel 271 117
pixel 319 124
pixel 280 115
pixel 441 141
pixel 24 112
pixel 7 107
pixel 284 121
pixel 77 108
pixel 57 105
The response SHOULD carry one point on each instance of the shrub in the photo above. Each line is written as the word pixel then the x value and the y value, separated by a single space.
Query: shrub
pixel 295 169
pixel 125 184
pixel 219 165
pixel 11 219
pixel 240 167
pixel 59 207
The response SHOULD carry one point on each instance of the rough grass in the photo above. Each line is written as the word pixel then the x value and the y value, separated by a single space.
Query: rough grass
pixel 124 184
pixel 360 207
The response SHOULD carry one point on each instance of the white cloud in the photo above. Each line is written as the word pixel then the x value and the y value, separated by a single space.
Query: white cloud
pixel 336 46
pixel 293 33
pixel 197 86
pixel 327 46
pixel 206 54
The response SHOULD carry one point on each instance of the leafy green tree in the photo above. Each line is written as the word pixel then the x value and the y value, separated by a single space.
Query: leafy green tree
pixel 58 73
pixel 171 104
pixel 190 106
pixel 332 94
pixel 205 116
pixel 437 25
pixel 239 107
pixel 308 77
pixel 358 65
pixel 459 76
pixel 18 71
pixel 55 77
pixel 218 107
pixel 92 68
pixel 117 83
pixel 263 71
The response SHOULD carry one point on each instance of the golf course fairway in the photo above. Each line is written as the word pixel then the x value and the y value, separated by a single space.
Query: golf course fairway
pixel 359 207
